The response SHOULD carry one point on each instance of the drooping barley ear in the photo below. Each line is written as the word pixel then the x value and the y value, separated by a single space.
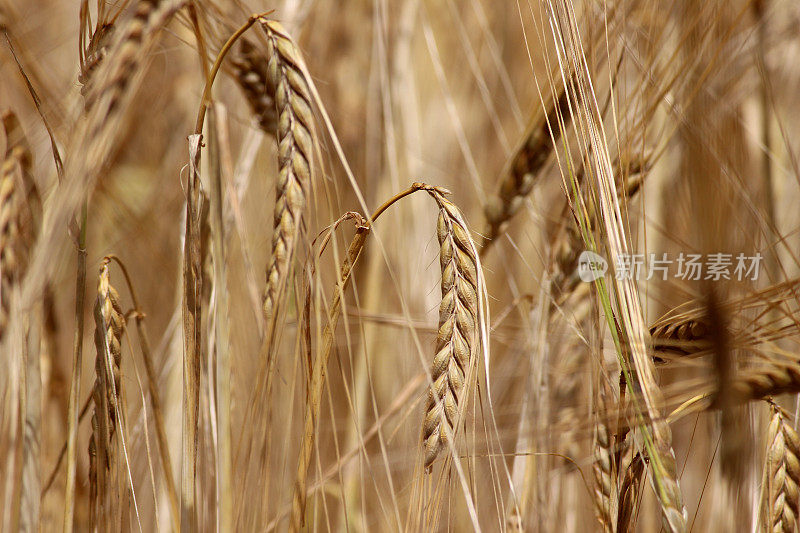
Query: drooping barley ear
pixel 525 165
pixel 250 73
pixel 93 46
pixel 107 397
pixel 295 136
pixel 605 487
pixel 107 83
pixel 769 377
pixel 781 489
pixel 20 212
pixel 679 336
pixel 629 494
pixel 457 343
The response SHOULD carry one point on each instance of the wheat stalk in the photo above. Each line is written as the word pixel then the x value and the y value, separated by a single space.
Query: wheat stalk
pixel 452 371
pixel 318 371
pixel 625 317
pixel 317 379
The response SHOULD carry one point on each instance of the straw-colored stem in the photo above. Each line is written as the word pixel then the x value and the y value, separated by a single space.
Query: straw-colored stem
pixel 74 391
pixel 155 397
pixel 323 355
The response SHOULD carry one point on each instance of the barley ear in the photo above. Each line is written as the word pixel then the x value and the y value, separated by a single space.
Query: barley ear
pixel 605 491
pixel 781 493
pixel 250 73
pixel 106 394
pixel 629 494
pixel 295 139
pixel 20 212
pixel 452 372
pixel 525 166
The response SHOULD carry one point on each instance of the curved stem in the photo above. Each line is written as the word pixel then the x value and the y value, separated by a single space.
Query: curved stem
pixel 201 113
pixel 320 364
pixel 416 186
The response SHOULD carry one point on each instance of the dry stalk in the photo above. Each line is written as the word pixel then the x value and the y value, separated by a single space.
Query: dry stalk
pixel 192 333
pixel 318 377
pixel 217 145
pixel 74 391
pixel 323 355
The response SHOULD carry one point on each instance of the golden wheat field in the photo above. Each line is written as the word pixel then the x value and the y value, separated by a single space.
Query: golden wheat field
pixel 399 265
